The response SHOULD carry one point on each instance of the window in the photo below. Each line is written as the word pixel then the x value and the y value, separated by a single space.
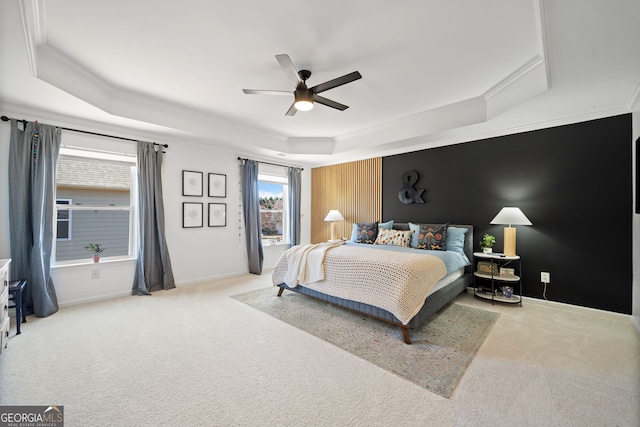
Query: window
pixel 95 190
pixel 273 187
pixel 63 221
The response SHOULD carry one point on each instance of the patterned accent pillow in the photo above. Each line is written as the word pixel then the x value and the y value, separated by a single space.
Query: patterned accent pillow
pixel 394 237
pixel 367 232
pixel 386 225
pixel 432 236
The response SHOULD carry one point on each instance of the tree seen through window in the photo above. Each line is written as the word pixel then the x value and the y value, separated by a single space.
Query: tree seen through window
pixel 272 209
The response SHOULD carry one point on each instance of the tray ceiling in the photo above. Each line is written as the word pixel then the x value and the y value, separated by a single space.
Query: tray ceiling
pixel 433 72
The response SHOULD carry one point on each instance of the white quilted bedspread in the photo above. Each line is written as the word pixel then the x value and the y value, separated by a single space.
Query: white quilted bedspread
pixel 394 281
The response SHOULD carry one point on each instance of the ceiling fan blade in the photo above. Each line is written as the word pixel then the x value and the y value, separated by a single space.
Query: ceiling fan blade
pixel 266 92
pixel 329 103
pixel 292 110
pixel 347 78
pixel 289 69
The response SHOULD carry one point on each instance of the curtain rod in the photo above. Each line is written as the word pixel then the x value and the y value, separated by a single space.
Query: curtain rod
pixel 24 122
pixel 273 164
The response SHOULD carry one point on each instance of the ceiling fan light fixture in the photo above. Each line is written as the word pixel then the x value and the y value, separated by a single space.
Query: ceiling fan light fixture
pixel 303 100
pixel 304 105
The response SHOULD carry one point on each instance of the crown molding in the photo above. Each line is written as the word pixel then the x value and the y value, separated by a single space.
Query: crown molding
pixel 71 77
pixel 530 66
pixel 449 124
pixel 541 21
pixel 53 66
pixel 62 120
pixel 523 84
pixel 477 132
pixel 33 27
pixel 633 103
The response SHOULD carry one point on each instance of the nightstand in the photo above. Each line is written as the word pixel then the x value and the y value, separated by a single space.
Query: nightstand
pixel 494 273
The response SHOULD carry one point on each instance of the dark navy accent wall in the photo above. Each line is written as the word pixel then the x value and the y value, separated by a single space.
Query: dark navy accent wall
pixel 573 182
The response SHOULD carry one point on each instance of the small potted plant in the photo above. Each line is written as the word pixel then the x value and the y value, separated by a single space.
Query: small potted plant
pixel 96 250
pixel 487 242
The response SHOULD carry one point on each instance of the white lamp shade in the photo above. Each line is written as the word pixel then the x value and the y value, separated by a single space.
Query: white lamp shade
pixel 511 216
pixel 334 215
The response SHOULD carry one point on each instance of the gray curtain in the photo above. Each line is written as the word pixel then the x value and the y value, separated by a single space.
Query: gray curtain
pixel 153 267
pixel 251 210
pixel 295 184
pixel 33 154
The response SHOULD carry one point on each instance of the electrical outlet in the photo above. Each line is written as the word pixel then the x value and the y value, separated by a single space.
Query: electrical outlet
pixel 95 274
pixel 545 277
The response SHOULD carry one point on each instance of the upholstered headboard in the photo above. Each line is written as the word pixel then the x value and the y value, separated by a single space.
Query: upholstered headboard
pixel 468 239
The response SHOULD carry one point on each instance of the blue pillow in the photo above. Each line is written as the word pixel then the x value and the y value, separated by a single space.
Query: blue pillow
pixel 414 237
pixel 454 241
pixel 386 225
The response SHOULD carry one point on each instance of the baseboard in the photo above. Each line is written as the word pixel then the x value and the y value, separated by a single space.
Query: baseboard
pixel 210 278
pixel 94 299
pixel 128 292
pixel 573 307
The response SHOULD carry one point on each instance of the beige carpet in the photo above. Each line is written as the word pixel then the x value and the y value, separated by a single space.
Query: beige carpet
pixel 439 354
pixel 193 356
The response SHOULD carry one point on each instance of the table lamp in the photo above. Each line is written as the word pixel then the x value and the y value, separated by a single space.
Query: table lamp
pixel 510 216
pixel 333 216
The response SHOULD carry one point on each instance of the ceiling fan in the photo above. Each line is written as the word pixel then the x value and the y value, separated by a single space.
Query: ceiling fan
pixel 303 97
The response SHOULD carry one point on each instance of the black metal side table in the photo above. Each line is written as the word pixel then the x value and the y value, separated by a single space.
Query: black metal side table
pixel 16 291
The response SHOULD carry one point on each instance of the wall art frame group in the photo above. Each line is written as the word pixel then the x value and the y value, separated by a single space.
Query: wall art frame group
pixel 193 212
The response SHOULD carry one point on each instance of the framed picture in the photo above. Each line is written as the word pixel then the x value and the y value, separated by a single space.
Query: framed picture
pixel 191 215
pixel 192 183
pixel 217 185
pixel 217 214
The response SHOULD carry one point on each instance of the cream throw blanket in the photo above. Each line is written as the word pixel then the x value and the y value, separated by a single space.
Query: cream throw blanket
pixel 306 263
pixel 397 282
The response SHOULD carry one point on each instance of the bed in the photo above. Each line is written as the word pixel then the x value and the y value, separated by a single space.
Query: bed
pixel 400 285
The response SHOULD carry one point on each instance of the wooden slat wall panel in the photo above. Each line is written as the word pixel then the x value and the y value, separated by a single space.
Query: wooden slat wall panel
pixel 355 189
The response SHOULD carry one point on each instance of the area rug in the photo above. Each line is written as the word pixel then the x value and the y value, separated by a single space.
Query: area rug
pixel 439 354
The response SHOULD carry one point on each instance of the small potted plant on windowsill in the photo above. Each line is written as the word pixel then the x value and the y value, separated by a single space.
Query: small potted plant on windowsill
pixel 487 242
pixel 96 250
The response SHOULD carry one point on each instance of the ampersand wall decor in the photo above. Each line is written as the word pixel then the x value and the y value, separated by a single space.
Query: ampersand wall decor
pixel 409 194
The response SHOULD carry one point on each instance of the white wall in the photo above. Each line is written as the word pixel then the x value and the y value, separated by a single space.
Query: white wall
pixel 200 254
pixel 197 254
pixel 86 282
pixel 213 252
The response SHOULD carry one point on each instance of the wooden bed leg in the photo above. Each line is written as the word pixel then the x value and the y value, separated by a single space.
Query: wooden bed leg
pixel 405 334
pixel 280 292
